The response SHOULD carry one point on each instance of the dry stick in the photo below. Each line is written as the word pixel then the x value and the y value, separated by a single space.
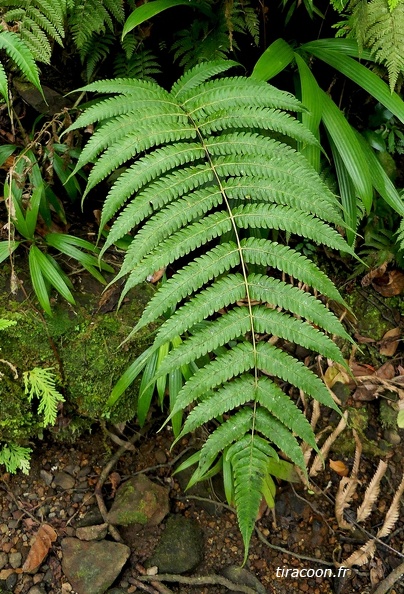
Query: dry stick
pixel 145 587
pixel 291 553
pixel 390 580
pixel 202 580
pixel 103 477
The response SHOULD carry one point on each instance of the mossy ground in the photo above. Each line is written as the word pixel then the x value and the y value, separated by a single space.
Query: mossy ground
pixel 81 345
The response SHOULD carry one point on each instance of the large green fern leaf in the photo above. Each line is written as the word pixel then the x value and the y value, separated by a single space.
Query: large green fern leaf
pixel 205 183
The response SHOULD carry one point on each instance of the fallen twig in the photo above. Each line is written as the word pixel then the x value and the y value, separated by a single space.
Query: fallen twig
pixel 201 580
pixel 159 587
pixel 390 580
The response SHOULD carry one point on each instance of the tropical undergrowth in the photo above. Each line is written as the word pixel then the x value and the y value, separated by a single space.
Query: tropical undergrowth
pixel 209 179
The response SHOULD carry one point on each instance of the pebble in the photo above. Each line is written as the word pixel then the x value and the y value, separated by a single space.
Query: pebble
pixel 15 560
pixel 11 581
pixel 47 477
pixel 3 560
pixel 36 590
pixel 64 480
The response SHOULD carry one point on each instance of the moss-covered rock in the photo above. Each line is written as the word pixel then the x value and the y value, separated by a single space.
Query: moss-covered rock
pixel 81 345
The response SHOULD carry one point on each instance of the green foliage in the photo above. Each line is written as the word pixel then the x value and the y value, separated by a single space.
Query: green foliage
pixel 15 457
pixel 22 57
pixel 89 18
pixel 358 171
pixel 41 383
pixel 29 199
pixel 378 25
pixel 205 170
pixel 210 36
pixel 38 24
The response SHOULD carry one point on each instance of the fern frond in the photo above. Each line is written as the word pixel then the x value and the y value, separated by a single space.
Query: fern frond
pixel 385 37
pixel 249 465
pixel 89 17
pixel 265 216
pixel 95 50
pixel 196 76
pixel 284 258
pixel 18 51
pixel 41 383
pixel 204 168
pixel 142 64
pixel 39 24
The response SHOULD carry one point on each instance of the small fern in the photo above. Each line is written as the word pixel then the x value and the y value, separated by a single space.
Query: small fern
pixel 87 18
pixel 204 170
pixel 142 63
pixel 41 383
pixel 214 39
pixel 15 457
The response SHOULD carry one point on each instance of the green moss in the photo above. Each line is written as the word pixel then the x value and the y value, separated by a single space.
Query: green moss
pixel 370 320
pixel 83 349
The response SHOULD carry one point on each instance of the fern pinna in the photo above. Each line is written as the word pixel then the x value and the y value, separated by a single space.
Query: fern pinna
pixel 208 182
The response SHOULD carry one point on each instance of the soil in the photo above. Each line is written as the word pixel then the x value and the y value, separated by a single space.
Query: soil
pixel 303 524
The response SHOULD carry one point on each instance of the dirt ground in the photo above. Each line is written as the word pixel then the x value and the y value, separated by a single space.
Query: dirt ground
pixel 301 534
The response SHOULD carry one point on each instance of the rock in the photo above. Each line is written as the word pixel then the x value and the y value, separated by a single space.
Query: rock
pixel 37 590
pixel 15 560
pixel 180 548
pixel 3 560
pixel 239 575
pixel 91 567
pixel 46 476
pixel 139 501
pixel 92 517
pixel 97 532
pixel 64 480
pixel 11 582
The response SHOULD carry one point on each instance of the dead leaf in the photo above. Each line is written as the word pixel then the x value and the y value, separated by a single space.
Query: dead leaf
pixel 366 393
pixel 375 273
pixel 339 467
pixel 359 370
pixel 45 536
pixel 115 479
pixel 156 276
pixel 389 343
pixel 362 555
pixel 390 284
pixel 363 339
pixel 336 373
pixel 386 371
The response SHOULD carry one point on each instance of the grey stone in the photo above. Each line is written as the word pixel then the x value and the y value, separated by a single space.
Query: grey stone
pixel 92 567
pixel 243 577
pixel 63 480
pixel 97 532
pixel 46 476
pixel 139 501
pixel 3 560
pixel 11 581
pixel 15 560
pixel 181 546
